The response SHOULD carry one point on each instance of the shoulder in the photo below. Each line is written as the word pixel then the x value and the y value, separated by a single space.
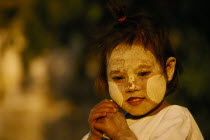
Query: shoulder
pixel 174 111
pixel 177 122
pixel 176 116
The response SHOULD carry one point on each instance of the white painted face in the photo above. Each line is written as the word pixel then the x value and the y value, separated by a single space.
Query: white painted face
pixel 135 78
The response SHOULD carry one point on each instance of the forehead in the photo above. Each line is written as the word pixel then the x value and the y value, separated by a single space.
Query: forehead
pixel 135 54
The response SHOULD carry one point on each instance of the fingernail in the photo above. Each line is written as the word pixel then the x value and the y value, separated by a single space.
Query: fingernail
pixel 115 109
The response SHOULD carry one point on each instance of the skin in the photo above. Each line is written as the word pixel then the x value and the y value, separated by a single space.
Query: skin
pixel 98 111
pixel 133 74
pixel 104 118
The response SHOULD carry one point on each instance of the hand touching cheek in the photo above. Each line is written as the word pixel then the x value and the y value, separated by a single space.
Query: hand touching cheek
pixel 114 125
pixel 99 111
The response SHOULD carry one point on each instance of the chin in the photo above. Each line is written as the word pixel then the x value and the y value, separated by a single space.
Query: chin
pixel 139 110
pixel 135 112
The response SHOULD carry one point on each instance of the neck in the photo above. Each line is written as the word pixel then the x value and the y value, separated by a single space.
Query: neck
pixel 157 109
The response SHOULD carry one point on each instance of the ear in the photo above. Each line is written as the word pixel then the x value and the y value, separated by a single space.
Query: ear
pixel 170 67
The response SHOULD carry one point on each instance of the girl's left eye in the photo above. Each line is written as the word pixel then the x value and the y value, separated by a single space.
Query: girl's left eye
pixel 145 73
pixel 118 78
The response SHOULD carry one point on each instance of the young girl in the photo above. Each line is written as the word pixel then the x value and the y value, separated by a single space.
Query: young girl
pixel 139 68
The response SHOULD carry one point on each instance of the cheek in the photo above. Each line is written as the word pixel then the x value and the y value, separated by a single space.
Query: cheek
pixel 156 88
pixel 141 84
pixel 115 93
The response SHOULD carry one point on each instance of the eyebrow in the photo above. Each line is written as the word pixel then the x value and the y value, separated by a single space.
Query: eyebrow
pixel 114 72
pixel 144 66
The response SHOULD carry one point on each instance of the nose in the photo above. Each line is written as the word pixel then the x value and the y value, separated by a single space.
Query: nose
pixel 131 86
pixel 128 90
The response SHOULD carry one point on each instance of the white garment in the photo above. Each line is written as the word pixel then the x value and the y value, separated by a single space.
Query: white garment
pixel 172 123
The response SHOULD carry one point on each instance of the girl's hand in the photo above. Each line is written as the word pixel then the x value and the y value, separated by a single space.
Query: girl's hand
pixel 114 125
pixel 100 111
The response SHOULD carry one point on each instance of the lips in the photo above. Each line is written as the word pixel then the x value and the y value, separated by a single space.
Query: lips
pixel 134 101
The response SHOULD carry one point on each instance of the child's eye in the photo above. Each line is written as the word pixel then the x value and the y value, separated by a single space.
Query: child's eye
pixel 145 73
pixel 117 78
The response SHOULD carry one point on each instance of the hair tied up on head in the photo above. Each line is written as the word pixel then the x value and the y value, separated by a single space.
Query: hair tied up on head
pixel 122 19
pixel 117 9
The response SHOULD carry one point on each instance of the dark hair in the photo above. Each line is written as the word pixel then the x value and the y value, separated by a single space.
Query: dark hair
pixel 140 29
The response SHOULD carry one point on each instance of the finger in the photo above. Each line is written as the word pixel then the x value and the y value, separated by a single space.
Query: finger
pixel 110 101
pixel 106 100
pixel 95 116
pixel 96 132
pixel 105 104
pixel 101 120
pixel 106 109
pixel 100 126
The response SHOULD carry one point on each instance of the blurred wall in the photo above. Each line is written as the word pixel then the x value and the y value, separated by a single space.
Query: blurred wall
pixel 47 72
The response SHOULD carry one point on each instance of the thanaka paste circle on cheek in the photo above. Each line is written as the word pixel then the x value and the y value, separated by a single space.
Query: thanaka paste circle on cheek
pixel 156 88
pixel 115 93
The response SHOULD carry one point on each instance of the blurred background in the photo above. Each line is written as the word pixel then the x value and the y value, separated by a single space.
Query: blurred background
pixel 47 72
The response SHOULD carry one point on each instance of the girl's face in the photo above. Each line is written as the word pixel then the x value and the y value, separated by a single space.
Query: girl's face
pixel 135 78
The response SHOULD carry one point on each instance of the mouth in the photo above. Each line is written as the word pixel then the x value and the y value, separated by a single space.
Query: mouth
pixel 134 101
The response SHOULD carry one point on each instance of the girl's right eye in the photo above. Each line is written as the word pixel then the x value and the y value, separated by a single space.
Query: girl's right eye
pixel 118 78
pixel 145 73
